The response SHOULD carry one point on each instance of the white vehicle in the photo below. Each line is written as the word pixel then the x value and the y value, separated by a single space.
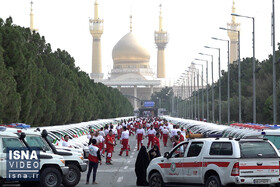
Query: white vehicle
pixel 73 160
pixel 217 162
pixel 52 167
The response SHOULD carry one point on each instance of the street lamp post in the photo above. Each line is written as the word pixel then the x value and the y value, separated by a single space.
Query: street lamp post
pixel 220 102
pixel 254 65
pixel 239 72
pixel 228 88
pixel 208 117
pixel 202 97
pixel 274 66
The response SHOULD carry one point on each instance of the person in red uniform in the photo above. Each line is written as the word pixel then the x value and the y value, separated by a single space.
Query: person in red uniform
pixel 156 125
pixel 140 133
pixel 165 134
pixel 156 140
pixel 181 137
pixel 151 134
pixel 119 130
pixel 124 141
pixel 110 145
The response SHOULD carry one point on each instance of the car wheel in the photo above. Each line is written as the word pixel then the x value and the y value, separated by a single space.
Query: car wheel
pixel 156 180
pixel 213 181
pixel 50 177
pixel 73 177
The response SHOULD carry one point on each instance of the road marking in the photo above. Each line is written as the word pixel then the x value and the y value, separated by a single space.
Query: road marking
pixel 132 153
pixel 131 156
pixel 120 179
pixel 125 167
pixel 128 161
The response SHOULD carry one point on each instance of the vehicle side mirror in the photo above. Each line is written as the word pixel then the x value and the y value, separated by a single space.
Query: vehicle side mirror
pixel 166 155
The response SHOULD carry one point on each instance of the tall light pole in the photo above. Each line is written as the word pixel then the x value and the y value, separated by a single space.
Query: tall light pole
pixel 202 97
pixel 274 67
pixel 213 110
pixel 239 72
pixel 254 66
pixel 228 88
pixel 220 102
pixel 207 98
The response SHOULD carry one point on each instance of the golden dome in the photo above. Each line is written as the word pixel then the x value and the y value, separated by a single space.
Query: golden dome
pixel 128 50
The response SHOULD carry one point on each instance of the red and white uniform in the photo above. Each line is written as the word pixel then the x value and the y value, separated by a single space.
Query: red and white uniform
pixel 165 134
pixel 151 134
pixel 140 133
pixel 119 130
pixel 109 148
pixel 124 141
pixel 156 142
pixel 148 125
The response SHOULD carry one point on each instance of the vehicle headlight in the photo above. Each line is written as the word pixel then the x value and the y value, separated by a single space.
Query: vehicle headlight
pixel 81 157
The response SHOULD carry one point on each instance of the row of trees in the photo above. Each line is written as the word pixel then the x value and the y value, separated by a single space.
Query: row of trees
pixel 264 93
pixel 42 87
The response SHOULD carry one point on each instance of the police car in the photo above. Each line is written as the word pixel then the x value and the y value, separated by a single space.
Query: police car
pixel 217 162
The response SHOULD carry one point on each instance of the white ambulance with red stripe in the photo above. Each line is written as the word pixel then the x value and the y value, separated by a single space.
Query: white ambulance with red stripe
pixel 217 162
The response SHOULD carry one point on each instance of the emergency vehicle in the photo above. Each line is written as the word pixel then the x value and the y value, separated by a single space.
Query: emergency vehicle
pixel 217 162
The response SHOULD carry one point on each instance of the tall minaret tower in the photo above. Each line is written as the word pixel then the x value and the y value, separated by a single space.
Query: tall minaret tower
pixel 31 18
pixel 96 30
pixel 161 39
pixel 233 36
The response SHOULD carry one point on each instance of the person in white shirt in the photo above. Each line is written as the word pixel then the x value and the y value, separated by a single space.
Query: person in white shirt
pixel 151 134
pixel 124 141
pixel 66 143
pixel 140 134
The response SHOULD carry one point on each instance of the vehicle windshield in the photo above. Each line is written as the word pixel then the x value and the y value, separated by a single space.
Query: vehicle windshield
pixel 274 139
pixel 257 149
pixel 36 141
pixel 11 143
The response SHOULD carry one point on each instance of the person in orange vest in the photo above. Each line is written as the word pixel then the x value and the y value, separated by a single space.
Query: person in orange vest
pixel 110 145
pixel 140 134
pixel 156 140
pixel 124 141
pixel 151 134
pixel 165 134
pixel 94 158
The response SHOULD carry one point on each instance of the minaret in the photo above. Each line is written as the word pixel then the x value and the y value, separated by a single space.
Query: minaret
pixel 233 36
pixel 96 30
pixel 31 18
pixel 161 39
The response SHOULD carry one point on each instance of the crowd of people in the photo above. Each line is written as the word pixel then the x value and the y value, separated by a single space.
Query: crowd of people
pixel 104 140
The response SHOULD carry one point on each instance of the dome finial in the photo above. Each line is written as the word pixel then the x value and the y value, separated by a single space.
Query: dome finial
pixel 130 23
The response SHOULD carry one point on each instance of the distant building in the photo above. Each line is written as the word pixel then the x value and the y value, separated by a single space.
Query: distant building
pixel 131 72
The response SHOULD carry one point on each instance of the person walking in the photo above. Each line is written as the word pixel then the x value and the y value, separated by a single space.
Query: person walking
pixel 110 145
pixel 156 140
pixel 140 133
pixel 165 134
pixel 94 158
pixel 124 141
pixel 151 134
pixel 141 165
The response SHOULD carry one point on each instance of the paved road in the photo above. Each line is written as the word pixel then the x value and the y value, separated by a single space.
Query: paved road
pixel 121 173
